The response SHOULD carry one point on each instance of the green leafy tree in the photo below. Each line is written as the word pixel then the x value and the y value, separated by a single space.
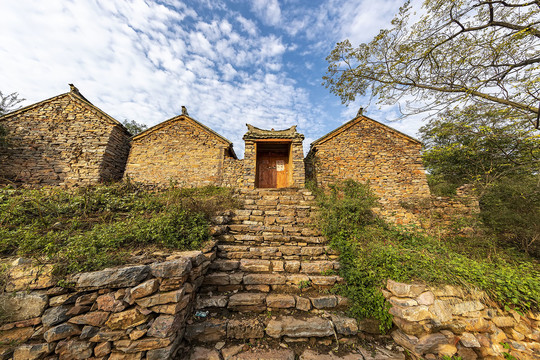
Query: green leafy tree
pixel 501 157
pixel 511 209
pixel 473 52
pixel 479 146
pixel 134 127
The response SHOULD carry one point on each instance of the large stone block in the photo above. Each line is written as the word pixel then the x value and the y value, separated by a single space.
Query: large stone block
pixel 30 277
pixel 429 343
pixel 60 332
pixel 414 313
pixel 255 265
pixel 211 330
pixel 113 278
pixel 280 301
pixel 405 290
pixel 264 279
pixel 243 299
pixel 55 315
pixel 292 327
pixel 142 290
pixel 344 325
pixel 126 319
pixel 324 301
pixel 94 318
pixel 161 298
pixel 33 351
pixel 171 269
pixel 23 306
pixel 245 329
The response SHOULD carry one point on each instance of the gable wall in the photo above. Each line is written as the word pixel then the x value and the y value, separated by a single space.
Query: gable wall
pixel 181 153
pixel 368 152
pixel 116 155
pixel 61 142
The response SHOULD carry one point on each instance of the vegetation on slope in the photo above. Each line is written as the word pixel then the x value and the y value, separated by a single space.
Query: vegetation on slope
pixel 497 154
pixel 98 226
pixel 372 251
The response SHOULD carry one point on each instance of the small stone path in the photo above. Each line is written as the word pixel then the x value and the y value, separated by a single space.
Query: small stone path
pixel 268 287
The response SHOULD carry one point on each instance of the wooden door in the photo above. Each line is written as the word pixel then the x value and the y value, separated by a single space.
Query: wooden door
pixel 266 169
pixel 273 171
pixel 282 170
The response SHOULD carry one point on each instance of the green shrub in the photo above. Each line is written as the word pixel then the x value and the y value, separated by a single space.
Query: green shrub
pixel 372 251
pixel 511 209
pixel 93 227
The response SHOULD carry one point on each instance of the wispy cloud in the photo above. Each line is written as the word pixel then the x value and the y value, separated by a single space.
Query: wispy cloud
pixel 143 60
pixel 268 11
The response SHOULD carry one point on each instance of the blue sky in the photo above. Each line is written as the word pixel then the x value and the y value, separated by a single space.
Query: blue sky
pixel 229 62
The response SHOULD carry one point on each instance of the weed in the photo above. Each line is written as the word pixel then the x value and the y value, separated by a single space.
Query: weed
pixel 97 226
pixel 304 284
pixel 372 251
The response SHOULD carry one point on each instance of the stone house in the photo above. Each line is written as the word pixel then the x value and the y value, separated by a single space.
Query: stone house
pixel 179 151
pixel 370 152
pixel 68 141
pixel 64 140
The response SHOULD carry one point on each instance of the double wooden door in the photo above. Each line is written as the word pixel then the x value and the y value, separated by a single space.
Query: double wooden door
pixel 272 171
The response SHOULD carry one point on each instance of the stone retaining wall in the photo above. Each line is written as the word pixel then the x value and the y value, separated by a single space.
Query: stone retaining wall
pixel 133 312
pixel 436 322
pixel 445 214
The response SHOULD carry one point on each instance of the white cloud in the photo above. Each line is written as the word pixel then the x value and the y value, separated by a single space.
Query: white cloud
pixel 247 25
pixel 268 11
pixel 271 46
pixel 143 60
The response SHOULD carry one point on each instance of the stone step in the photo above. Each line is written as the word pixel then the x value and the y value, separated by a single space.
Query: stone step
pixel 281 217
pixel 222 326
pixel 279 268
pixel 298 212
pixel 276 251
pixel 258 302
pixel 283 282
pixel 291 351
pixel 271 239
pixel 260 229
pixel 258 193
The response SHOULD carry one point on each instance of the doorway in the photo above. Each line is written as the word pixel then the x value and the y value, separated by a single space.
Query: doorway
pixel 273 166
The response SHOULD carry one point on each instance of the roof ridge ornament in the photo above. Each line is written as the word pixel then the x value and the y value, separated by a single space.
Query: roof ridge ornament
pixel 257 133
pixel 73 89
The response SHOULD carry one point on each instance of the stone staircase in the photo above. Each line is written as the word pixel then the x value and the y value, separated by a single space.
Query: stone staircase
pixel 269 284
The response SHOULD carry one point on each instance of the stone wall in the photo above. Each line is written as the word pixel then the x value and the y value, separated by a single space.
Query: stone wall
pixel 250 164
pixel 132 312
pixel 442 215
pixel 369 152
pixel 233 173
pixel 298 167
pixel 116 155
pixel 62 141
pixel 178 151
pixel 436 322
